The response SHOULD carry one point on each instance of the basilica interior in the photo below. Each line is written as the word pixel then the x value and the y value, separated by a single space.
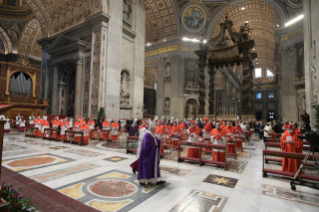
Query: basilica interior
pixel 117 66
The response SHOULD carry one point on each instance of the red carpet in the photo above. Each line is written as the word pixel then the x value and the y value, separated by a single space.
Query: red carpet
pixel 46 199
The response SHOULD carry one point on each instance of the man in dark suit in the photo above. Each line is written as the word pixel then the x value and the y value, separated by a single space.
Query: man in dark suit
pixel 261 130
pixel 275 126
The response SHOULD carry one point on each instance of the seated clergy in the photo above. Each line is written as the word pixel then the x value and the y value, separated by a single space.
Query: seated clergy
pixel 7 126
pixel 168 127
pixel 17 121
pixel 91 124
pixel 219 154
pixel 21 124
pixel 182 125
pixel 193 136
pixel 221 124
pixel 86 129
pixel 31 120
pixel 217 131
pixel 55 124
pixel 237 130
pixel 45 125
pixel 37 124
pixel 105 126
pixel 76 127
pixel 63 128
pixel 207 128
pixel 175 130
pixel 229 130
pixel 290 143
pixel 115 130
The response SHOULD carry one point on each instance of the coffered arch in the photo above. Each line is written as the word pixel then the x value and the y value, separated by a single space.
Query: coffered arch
pixel 56 16
pixel 27 44
pixel 161 20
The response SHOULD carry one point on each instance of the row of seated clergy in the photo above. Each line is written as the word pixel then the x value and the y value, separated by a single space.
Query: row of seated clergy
pixel 219 135
pixel 289 142
pixel 113 128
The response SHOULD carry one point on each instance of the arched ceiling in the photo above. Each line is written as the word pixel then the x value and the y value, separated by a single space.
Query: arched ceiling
pixel 58 15
pixel 27 44
pixel 263 19
pixel 161 20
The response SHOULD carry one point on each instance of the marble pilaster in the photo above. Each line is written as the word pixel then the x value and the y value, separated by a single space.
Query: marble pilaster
pixel 55 90
pixel 78 86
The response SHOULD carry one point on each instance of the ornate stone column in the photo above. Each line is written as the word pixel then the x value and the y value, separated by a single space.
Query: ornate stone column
pixel 224 96
pixel 55 90
pixel 211 94
pixel 78 86
pixel 231 109
pixel 201 81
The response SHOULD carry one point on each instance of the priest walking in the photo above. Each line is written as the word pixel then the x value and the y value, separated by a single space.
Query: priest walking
pixel 148 168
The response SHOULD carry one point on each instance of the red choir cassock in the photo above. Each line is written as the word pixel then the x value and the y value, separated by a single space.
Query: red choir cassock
pixel 218 155
pixel 37 123
pixel 230 130
pixel 175 131
pixel 55 124
pixel 168 128
pixel 222 125
pixel 207 128
pixel 115 129
pixel 290 143
pixel 91 124
pixel 45 123
pixel 193 129
pixel 76 126
pixel 238 131
pixel 105 126
pixel 86 129
pixel 182 125
pixel 63 128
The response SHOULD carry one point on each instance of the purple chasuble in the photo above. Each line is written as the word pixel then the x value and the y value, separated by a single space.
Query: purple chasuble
pixel 146 167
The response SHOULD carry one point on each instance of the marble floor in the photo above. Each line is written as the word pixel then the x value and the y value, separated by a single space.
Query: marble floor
pixel 99 176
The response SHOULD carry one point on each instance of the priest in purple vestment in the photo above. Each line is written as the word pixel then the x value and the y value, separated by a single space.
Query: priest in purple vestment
pixel 148 168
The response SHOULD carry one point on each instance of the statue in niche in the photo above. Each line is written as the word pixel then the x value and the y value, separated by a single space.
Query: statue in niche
pixel 303 103
pixel 190 113
pixel 125 94
pixel 301 63
pixel 167 105
pixel 167 72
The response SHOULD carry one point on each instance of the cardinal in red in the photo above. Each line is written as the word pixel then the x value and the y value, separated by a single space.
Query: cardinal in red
pixel 114 130
pixel 55 124
pixel 290 143
pixel 105 126
pixel 194 133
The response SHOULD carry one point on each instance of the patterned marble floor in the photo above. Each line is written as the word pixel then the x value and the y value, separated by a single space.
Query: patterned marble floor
pixel 99 176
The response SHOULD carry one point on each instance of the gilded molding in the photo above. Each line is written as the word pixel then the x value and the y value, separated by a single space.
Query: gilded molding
pixel 169 49
pixel 292 34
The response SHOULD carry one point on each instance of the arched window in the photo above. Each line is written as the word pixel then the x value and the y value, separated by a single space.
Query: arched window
pixel 269 74
pixel 20 84
pixel 257 72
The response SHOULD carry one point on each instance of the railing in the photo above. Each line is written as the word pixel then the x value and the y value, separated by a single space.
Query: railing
pixel 23 100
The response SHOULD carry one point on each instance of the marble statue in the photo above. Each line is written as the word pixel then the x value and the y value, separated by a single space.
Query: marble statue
pixel 167 104
pixel 190 111
pixel 125 93
pixel 167 73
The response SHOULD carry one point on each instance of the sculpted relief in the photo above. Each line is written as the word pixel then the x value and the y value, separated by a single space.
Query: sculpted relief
pixel 125 93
